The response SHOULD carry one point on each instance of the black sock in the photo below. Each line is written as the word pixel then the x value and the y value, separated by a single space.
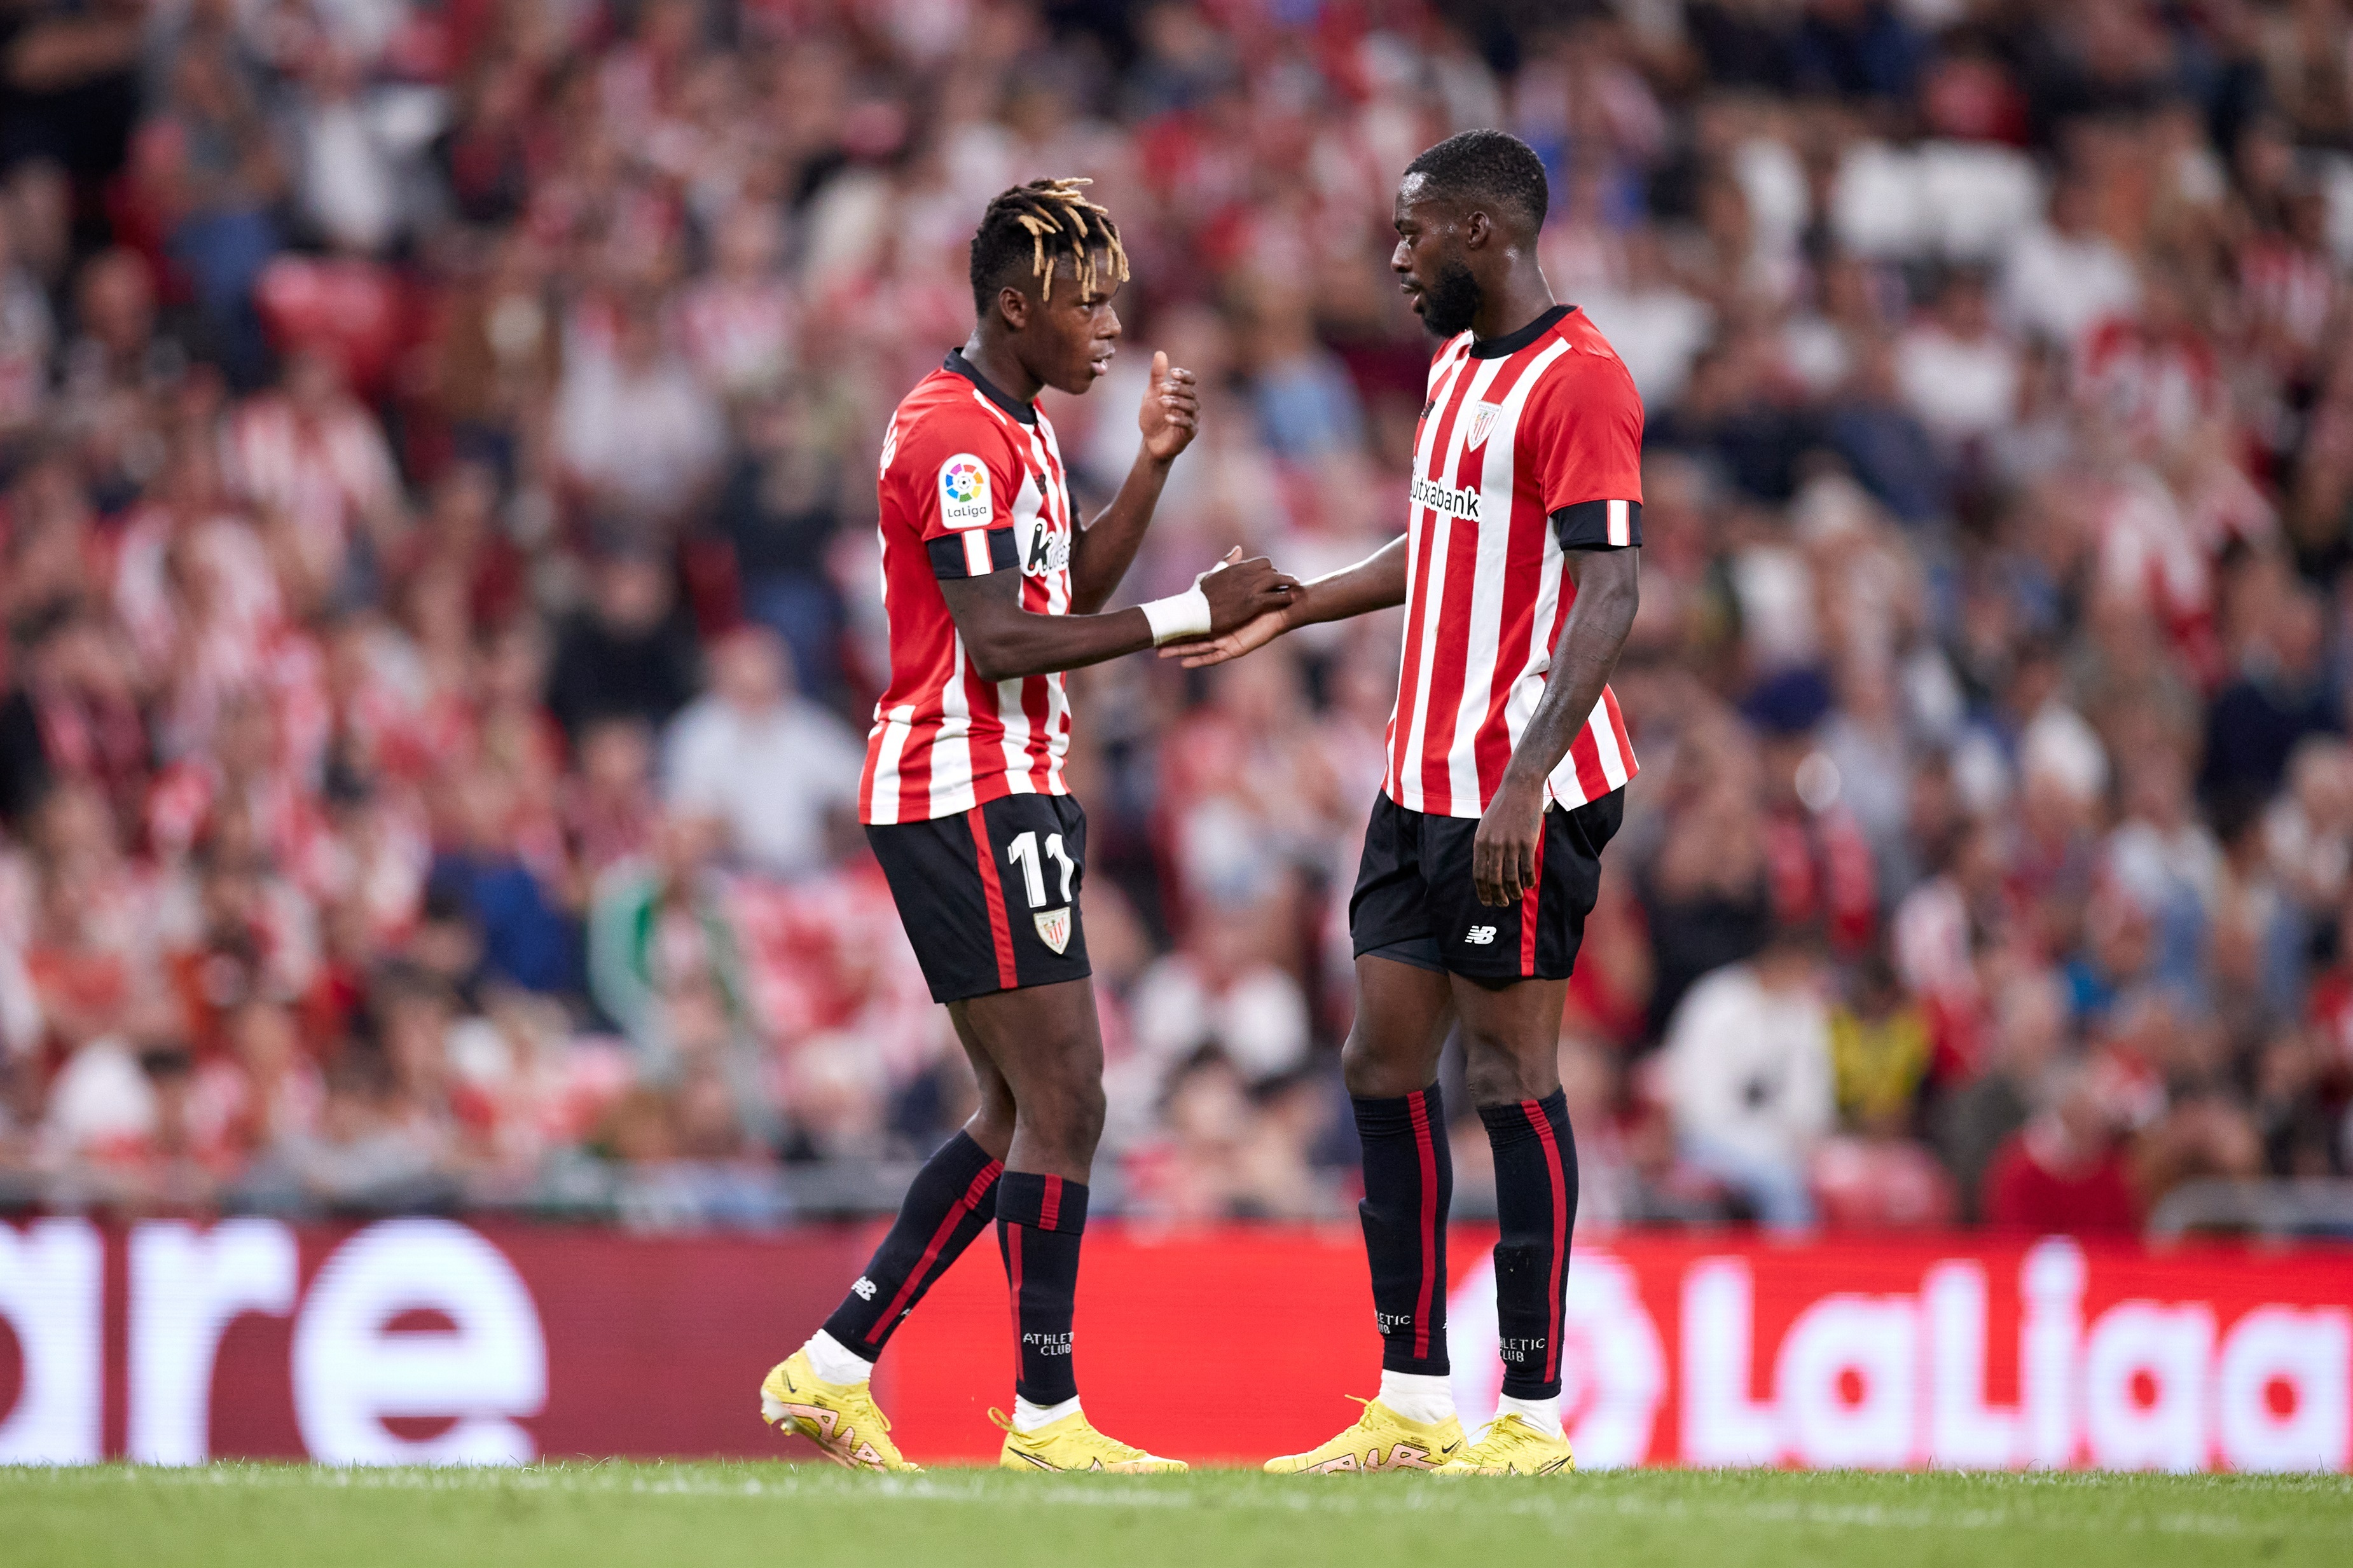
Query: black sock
pixel 951 1200
pixel 1039 1222
pixel 1536 1199
pixel 1409 1185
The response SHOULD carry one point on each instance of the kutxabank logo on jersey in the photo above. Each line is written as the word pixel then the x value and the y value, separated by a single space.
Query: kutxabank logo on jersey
pixel 1452 500
pixel 1047 549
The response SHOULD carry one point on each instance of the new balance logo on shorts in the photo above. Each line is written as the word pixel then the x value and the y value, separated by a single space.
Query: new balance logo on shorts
pixel 1480 936
pixel 864 1290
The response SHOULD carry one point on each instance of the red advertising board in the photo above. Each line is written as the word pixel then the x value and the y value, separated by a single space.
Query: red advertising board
pixel 427 1339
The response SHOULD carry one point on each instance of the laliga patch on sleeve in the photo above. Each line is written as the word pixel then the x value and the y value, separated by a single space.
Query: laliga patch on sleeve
pixel 964 492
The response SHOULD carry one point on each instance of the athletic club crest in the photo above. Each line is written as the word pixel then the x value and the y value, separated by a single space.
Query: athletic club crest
pixel 1482 419
pixel 1054 927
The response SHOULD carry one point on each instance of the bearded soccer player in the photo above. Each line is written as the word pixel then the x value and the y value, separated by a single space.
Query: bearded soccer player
pixel 992 589
pixel 1507 769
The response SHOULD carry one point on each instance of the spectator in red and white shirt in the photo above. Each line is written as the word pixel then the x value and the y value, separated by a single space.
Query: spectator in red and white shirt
pixel 738 324
pixel 313 460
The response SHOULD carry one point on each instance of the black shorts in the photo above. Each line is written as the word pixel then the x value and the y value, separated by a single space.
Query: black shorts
pixel 1415 901
pixel 990 898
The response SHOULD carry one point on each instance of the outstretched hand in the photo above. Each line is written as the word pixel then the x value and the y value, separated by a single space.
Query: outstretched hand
pixel 1255 633
pixel 1171 415
pixel 1229 639
pixel 1242 591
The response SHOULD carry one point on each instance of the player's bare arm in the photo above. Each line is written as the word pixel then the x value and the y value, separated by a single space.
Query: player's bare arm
pixel 1504 855
pixel 1006 642
pixel 1106 547
pixel 1375 583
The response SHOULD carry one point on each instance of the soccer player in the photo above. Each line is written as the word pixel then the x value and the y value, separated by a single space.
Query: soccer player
pixel 992 589
pixel 1507 775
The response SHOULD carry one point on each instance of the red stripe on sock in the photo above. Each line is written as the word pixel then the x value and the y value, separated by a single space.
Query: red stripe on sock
pixel 1418 1104
pixel 955 1215
pixel 1001 929
pixel 1013 1288
pixel 1528 905
pixel 1560 1180
pixel 1051 1208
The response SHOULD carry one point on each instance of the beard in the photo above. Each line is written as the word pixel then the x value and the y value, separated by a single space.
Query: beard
pixel 1449 304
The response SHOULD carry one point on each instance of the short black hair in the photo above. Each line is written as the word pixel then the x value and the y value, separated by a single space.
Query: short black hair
pixel 1487 165
pixel 1039 223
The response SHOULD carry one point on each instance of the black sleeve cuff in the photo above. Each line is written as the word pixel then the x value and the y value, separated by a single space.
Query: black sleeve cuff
pixel 958 554
pixel 1599 525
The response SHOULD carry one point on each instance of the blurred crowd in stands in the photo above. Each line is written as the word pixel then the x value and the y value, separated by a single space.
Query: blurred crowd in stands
pixel 438 569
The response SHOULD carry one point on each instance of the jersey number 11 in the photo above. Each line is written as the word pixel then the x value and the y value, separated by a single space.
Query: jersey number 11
pixel 1023 853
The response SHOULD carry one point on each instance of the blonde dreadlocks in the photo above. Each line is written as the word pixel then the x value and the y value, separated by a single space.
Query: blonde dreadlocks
pixel 1056 221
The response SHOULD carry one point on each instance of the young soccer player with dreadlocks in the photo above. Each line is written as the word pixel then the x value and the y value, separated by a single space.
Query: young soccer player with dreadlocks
pixel 992 589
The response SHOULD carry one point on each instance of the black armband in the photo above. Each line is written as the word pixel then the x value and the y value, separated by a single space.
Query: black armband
pixel 972 552
pixel 1599 525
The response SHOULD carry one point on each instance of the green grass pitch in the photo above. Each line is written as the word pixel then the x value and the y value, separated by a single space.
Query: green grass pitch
pixel 709 1515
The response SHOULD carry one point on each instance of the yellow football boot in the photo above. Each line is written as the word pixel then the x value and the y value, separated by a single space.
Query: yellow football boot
pixel 1380 1440
pixel 1073 1444
pixel 840 1418
pixel 1510 1447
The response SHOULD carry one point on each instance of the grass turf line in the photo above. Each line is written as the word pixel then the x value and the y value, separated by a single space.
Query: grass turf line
pixel 712 1515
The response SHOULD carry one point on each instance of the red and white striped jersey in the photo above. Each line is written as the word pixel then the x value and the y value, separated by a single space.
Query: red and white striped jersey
pixel 972 483
pixel 1530 446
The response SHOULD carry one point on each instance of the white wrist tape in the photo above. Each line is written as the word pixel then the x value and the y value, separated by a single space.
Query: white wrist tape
pixel 1185 615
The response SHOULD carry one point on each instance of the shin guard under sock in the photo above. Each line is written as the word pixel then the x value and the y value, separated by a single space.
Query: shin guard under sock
pixel 1409 1184
pixel 1535 1200
pixel 952 1199
pixel 1039 1220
